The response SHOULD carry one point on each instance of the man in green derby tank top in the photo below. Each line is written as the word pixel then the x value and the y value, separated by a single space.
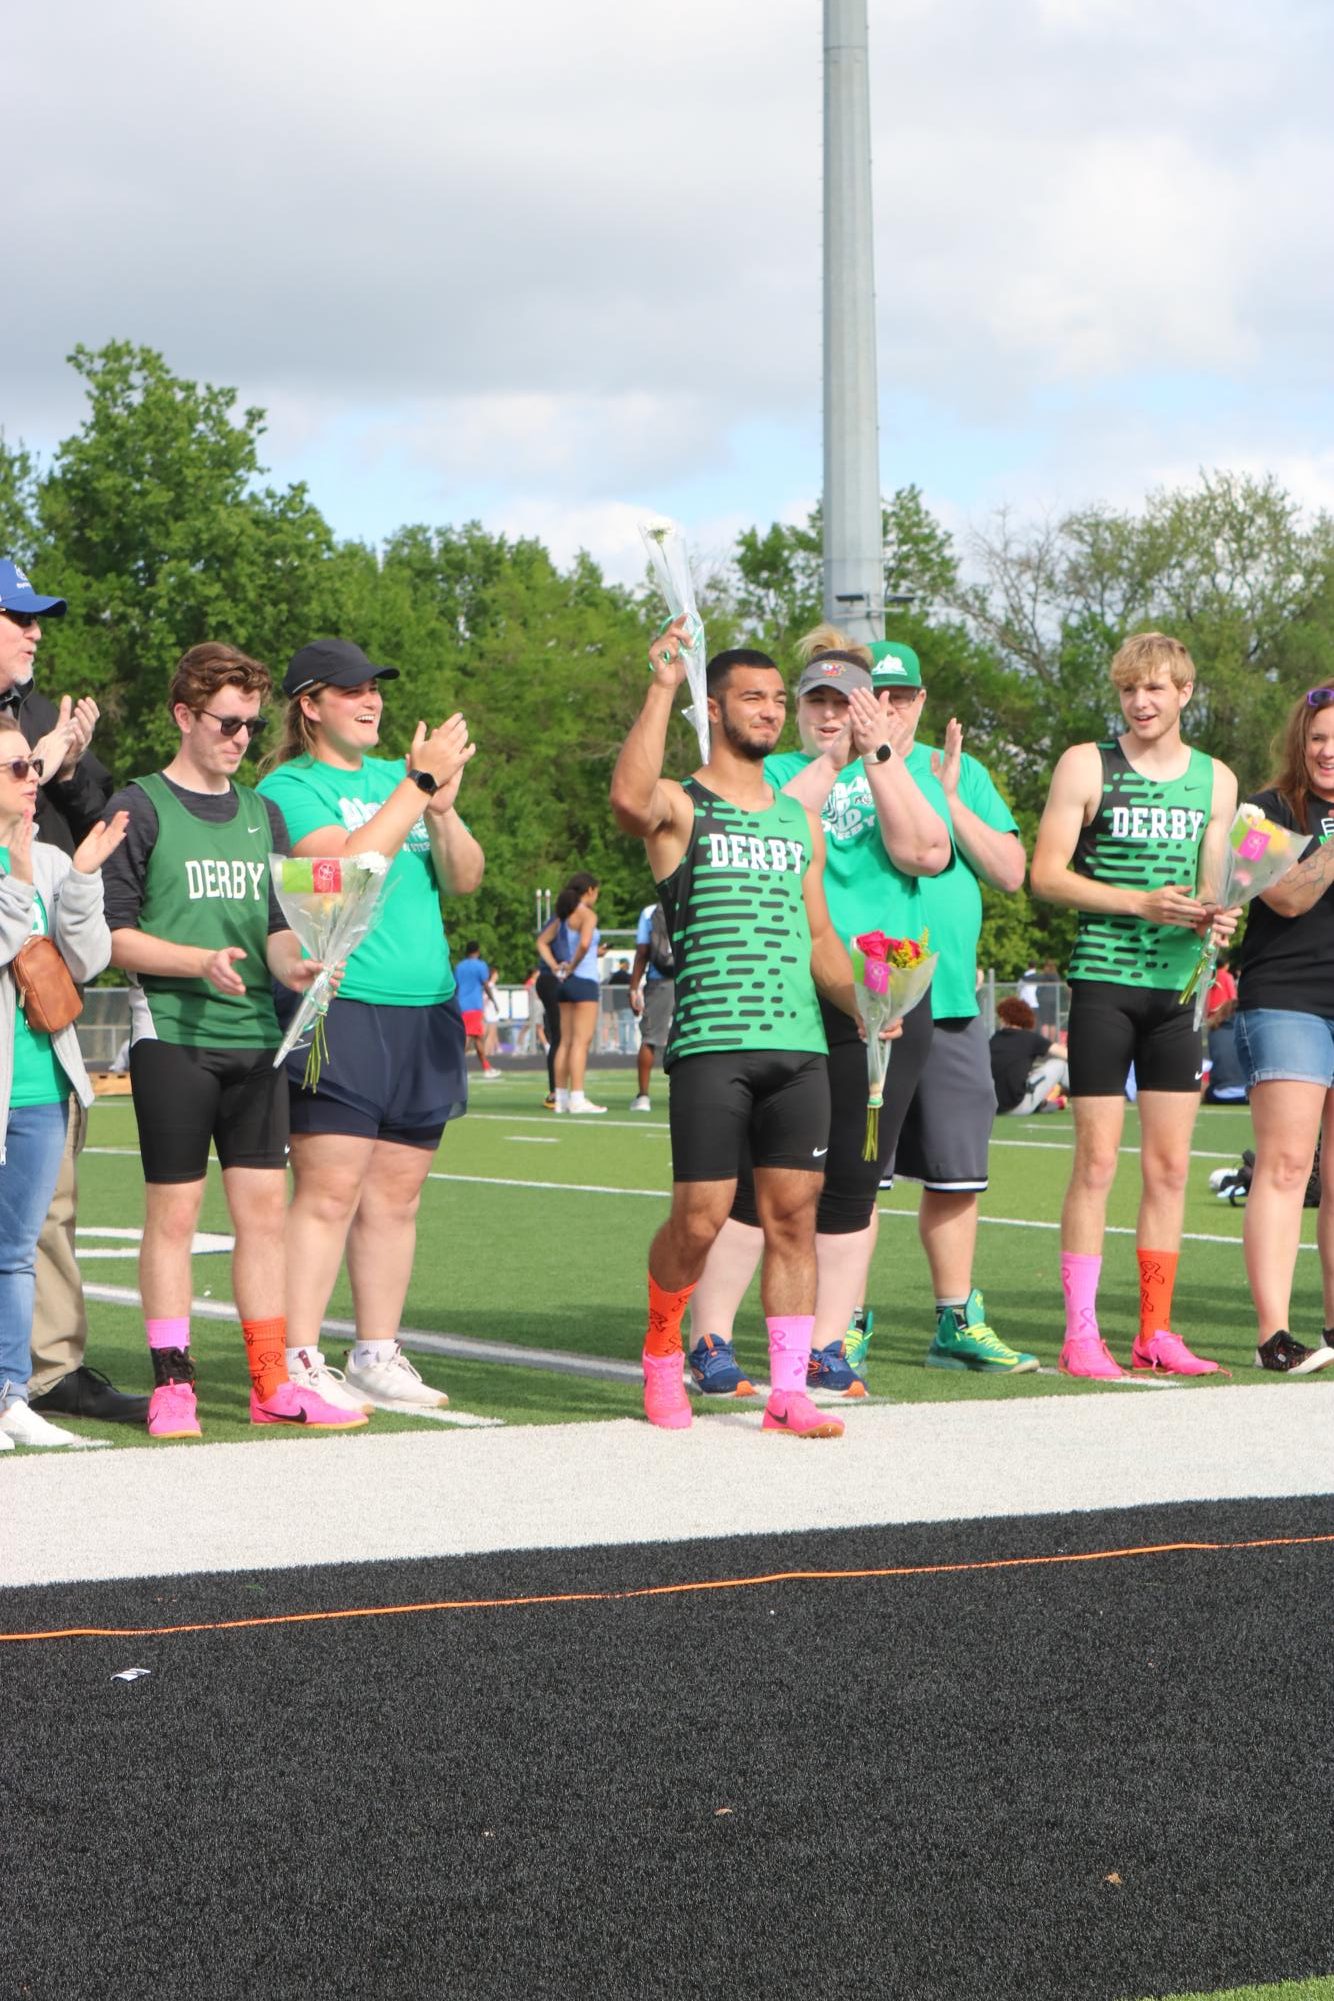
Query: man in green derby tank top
pixel 738 867
pixel 194 921
pixel 1133 837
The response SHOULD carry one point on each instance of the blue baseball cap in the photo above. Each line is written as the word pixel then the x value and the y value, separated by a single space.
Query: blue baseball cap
pixel 17 594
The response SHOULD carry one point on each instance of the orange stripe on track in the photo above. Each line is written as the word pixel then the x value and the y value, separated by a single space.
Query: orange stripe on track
pixel 667 1590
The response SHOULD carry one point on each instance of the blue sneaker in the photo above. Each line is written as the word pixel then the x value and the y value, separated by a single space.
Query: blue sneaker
pixel 829 1369
pixel 714 1370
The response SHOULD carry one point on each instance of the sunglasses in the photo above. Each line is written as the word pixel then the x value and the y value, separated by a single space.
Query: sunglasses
pixel 233 725
pixel 1320 698
pixel 21 766
pixel 22 619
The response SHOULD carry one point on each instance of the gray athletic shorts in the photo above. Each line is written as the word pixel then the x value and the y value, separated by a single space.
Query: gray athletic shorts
pixel 945 1134
pixel 655 1023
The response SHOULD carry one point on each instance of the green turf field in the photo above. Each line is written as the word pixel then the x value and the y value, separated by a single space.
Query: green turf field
pixel 1287 1990
pixel 534 1232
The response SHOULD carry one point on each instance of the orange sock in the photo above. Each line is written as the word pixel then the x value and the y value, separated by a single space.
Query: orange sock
pixel 1157 1277
pixel 266 1353
pixel 666 1311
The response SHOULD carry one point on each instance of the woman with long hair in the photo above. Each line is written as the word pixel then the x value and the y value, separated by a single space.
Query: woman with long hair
pixel 363 1140
pixel 43 894
pixel 1285 1038
pixel 568 948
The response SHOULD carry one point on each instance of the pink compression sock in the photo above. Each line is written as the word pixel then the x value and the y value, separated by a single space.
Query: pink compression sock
pixel 789 1349
pixel 168 1333
pixel 1079 1281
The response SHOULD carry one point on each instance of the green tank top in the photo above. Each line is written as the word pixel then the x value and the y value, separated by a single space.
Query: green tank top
pixel 209 885
pixel 1145 834
pixel 738 922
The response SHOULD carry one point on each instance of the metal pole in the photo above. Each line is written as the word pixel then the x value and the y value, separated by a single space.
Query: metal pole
pixel 854 561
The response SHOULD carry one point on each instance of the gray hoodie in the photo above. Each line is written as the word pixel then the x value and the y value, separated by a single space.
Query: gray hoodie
pixel 79 930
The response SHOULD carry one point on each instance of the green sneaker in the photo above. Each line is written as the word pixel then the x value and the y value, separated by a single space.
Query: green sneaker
pixel 964 1341
pixel 858 1340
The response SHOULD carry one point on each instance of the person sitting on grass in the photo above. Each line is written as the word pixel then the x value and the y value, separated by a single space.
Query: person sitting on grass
pixel 1029 1072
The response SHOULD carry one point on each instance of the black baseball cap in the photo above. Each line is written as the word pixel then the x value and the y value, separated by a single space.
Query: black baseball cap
pixel 333 663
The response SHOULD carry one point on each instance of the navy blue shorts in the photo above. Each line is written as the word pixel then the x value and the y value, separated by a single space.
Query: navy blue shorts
pixel 575 989
pixel 395 1073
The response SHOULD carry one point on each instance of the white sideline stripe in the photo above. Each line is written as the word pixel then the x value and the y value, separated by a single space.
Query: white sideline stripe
pixel 532 1139
pixel 359 1498
pixel 663 1195
pixel 457 1347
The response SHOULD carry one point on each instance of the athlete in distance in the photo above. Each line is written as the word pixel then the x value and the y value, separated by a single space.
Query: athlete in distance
pixel 738 867
pixel 1133 837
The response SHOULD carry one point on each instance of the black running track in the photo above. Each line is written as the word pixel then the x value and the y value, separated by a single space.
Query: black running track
pixel 1063 1780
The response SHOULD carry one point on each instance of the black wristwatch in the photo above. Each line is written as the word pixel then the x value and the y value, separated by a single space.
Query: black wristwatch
pixel 882 753
pixel 424 781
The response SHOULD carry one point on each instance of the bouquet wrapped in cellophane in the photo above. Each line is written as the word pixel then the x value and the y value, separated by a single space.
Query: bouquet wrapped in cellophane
pixel 332 903
pixel 889 976
pixel 1259 852
pixel 667 554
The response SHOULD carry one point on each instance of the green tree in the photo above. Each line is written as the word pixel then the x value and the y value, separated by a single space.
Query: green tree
pixel 151 521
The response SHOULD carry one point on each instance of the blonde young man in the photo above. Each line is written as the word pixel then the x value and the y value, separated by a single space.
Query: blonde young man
pixel 1132 838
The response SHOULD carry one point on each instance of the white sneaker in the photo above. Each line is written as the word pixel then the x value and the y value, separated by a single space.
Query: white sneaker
pixel 640 1104
pixel 21 1426
pixel 6 1442
pixel 307 1368
pixel 585 1105
pixel 490 1075
pixel 394 1382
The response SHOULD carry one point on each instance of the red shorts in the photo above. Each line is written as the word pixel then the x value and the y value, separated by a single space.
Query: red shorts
pixel 474 1021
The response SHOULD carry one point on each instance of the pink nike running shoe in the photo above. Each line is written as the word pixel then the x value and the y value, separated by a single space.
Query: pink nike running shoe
pixel 793 1412
pixel 1092 1358
pixel 290 1405
pixel 1168 1353
pixel 665 1400
pixel 172 1413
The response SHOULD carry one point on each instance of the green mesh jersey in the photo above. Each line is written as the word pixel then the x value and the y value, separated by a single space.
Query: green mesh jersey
pixel 1145 834
pixel 739 931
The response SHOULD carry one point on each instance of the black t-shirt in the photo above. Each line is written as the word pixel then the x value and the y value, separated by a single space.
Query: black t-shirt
pixel 1288 962
pixel 1014 1051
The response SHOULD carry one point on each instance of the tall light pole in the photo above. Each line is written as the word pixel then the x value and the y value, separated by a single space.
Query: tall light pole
pixel 854 564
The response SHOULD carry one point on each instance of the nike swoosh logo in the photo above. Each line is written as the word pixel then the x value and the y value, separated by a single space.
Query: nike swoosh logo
pixel 254 830
pixel 774 1418
pixel 819 1152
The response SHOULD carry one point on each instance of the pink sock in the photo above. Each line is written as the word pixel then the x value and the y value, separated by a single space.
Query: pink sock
pixel 789 1349
pixel 168 1333
pixel 1079 1280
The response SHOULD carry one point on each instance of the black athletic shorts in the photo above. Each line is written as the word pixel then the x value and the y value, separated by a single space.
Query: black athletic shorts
pixel 775 1103
pixel 395 1073
pixel 847 1200
pixel 185 1097
pixel 1111 1026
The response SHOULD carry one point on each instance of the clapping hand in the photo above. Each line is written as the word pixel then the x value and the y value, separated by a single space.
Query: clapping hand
pixel 68 738
pixel 946 764
pixel 100 843
pixel 443 752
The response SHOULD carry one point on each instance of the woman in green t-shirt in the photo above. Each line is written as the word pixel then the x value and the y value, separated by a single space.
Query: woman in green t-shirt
pixel 364 1138
pixel 42 894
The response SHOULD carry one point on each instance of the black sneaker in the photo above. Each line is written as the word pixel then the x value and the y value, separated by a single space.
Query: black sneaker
pixel 1283 1356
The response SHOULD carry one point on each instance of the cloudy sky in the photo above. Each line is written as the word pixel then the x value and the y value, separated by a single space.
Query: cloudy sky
pixel 556 266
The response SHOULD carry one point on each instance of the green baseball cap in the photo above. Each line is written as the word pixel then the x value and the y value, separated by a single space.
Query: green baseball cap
pixel 894 666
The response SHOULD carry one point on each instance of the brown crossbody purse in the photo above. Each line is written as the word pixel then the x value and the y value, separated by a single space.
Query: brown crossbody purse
pixel 51 1001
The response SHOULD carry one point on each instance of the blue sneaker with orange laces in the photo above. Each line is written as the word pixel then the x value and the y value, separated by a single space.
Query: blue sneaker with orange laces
pixel 715 1371
pixel 829 1369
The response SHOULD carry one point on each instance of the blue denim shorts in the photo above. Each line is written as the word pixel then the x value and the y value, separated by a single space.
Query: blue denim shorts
pixel 1278 1044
